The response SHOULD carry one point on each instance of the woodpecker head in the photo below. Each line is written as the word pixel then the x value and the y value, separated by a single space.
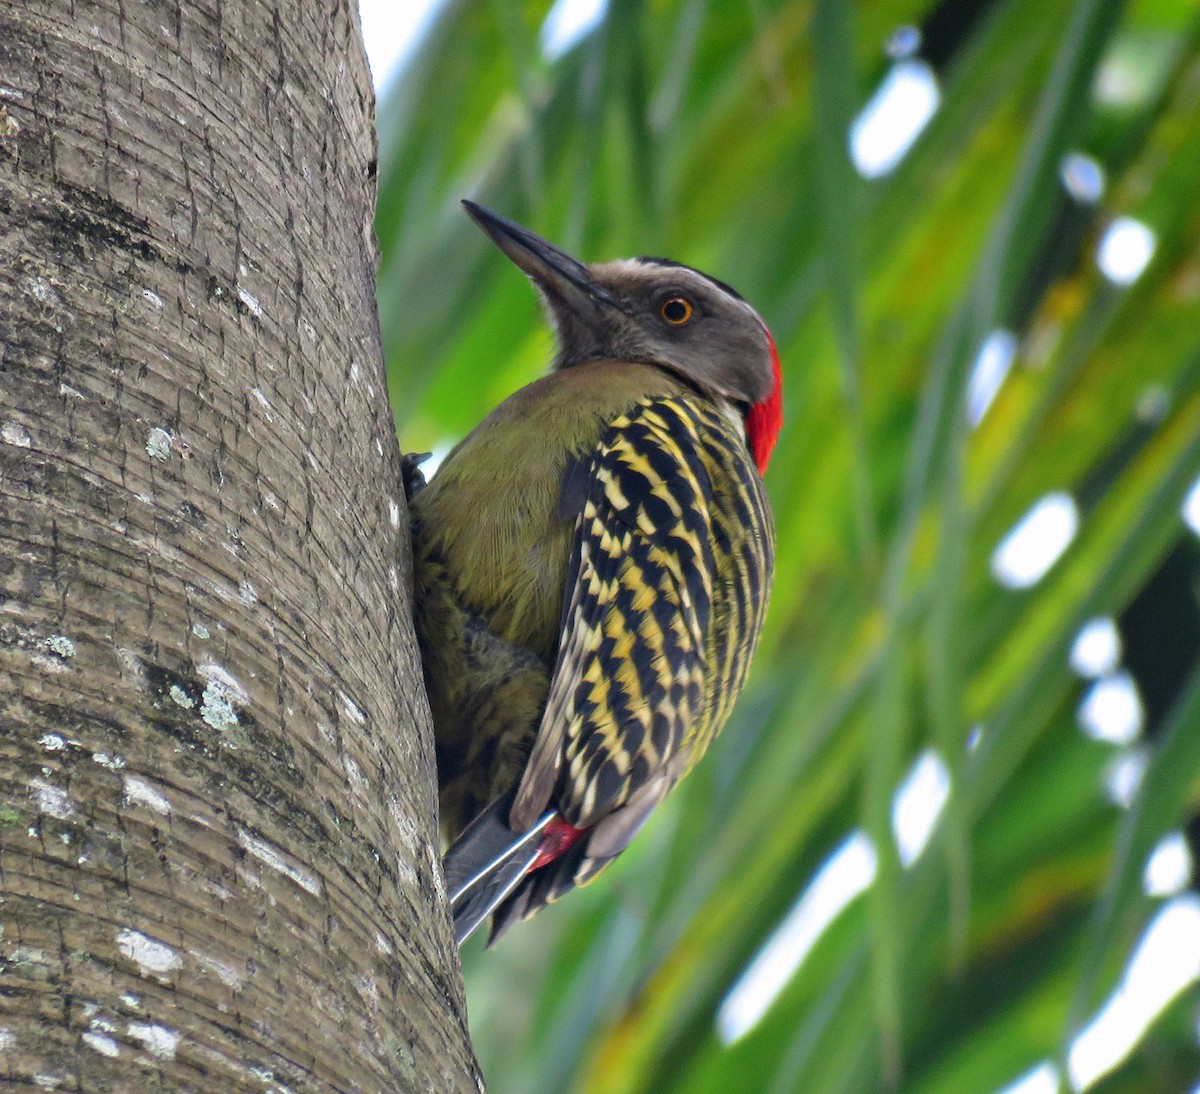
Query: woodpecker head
pixel 656 311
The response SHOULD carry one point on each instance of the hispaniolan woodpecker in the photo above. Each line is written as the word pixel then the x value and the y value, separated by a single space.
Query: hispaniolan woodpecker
pixel 592 569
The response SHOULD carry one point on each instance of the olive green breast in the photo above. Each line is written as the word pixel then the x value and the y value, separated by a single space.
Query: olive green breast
pixel 491 514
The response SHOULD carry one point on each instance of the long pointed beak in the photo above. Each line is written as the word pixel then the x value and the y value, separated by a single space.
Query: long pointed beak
pixel 554 271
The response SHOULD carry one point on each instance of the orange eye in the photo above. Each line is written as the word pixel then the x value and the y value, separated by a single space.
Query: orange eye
pixel 677 310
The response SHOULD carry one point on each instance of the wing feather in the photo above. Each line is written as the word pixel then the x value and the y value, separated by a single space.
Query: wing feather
pixel 630 675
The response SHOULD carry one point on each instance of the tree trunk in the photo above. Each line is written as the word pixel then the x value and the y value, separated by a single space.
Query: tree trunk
pixel 218 849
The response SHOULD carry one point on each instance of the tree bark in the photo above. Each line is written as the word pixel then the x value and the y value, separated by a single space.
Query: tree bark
pixel 218 848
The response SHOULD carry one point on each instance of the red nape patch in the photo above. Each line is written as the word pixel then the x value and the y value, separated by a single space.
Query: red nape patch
pixel 766 418
pixel 558 838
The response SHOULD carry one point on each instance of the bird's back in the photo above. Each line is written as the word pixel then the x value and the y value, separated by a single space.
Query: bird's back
pixel 670 571
pixel 492 557
pixel 742 533
pixel 491 554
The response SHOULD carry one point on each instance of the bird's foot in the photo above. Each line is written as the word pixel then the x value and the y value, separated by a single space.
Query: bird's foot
pixel 410 470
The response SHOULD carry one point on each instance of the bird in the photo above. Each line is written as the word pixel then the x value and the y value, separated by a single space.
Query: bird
pixel 592 565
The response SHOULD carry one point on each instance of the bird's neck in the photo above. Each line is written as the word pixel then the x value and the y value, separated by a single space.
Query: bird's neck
pixel 733 414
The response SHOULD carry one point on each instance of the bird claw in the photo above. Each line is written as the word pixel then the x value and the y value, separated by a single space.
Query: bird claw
pixel 410 470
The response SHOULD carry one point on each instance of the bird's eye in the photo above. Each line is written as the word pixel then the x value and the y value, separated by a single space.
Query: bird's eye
pixel 676 310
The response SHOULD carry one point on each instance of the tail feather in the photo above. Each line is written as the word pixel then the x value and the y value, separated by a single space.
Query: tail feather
pixel 543 887
pixel 487 862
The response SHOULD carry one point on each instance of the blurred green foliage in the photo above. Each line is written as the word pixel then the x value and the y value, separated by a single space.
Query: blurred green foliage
pixel 716 134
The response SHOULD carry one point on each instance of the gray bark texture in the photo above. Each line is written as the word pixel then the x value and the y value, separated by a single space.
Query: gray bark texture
pixel 218 846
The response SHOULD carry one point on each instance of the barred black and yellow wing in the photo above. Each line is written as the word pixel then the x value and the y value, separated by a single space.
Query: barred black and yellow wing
pixel 670 570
